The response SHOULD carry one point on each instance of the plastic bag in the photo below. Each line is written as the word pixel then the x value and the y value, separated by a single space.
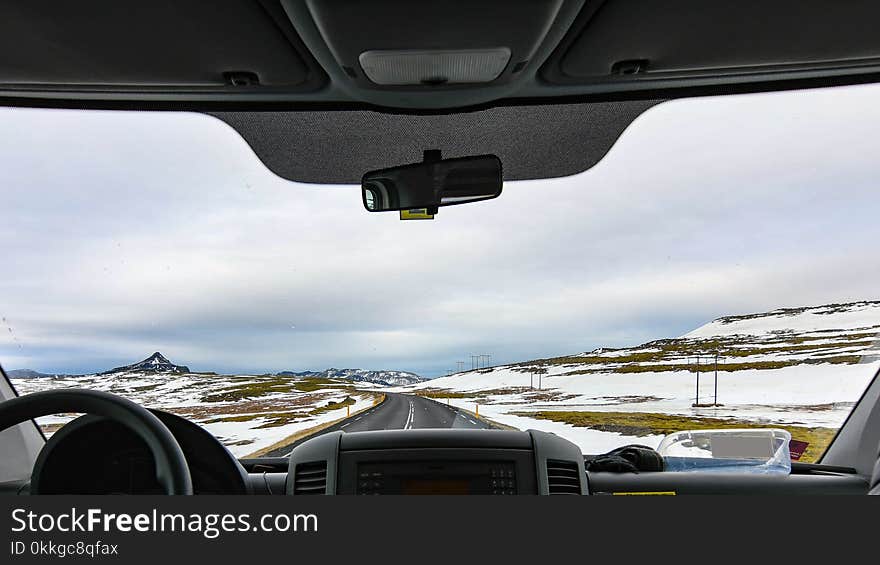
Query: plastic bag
pixel 729 451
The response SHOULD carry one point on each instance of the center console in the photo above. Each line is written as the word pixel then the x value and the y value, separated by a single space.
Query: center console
pixel 442 461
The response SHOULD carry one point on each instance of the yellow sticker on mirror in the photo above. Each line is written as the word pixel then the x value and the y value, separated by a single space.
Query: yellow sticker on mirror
pixel 416 214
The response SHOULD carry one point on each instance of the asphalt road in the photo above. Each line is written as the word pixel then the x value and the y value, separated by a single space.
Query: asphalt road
pixel 399 412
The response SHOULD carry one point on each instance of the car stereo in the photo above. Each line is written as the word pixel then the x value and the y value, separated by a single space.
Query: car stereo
pixel 437 477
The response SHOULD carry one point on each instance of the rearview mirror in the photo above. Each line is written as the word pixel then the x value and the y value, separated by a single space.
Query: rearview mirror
pixel 432 183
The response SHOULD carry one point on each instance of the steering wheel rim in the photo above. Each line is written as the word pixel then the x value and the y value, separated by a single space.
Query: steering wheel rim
pixel 172 470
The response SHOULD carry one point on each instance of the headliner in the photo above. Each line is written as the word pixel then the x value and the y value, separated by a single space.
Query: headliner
pixel 286 73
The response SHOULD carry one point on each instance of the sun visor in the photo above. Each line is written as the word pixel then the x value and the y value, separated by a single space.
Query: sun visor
pixel 159 44
pixel 337 147
pixel 631 41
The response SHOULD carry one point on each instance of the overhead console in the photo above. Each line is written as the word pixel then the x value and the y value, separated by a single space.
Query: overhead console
pixel 630 41
pixel 488 462
pixel 444 52
pixel 438 56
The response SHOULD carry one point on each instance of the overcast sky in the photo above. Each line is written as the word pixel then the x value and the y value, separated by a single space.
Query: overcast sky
pixel 126 233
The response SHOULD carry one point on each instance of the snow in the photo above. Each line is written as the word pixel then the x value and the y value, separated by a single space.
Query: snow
pixel 231 433
pixel 807 391
pixel 856 316
pixel 811 392
pixel 186 394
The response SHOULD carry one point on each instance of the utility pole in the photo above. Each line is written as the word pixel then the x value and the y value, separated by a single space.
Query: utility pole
pixel 716 379
pixel 459 365
pixel 697 403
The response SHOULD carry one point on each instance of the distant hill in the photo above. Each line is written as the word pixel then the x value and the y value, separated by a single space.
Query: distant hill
pixel 26 374
pixel 832 334
pixel 155 363
pixel 801 369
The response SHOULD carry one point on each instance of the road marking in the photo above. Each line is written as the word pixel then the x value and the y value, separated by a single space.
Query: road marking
pixel 343 425
pixel 410 417
pixel 358 418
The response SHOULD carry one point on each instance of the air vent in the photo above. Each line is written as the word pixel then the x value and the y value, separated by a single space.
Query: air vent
pixel 563 477
pixel 310 478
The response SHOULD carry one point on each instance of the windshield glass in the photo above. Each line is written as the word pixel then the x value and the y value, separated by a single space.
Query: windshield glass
pixel 716 269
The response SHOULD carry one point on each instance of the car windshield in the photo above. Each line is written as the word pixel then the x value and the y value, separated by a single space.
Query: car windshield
pixel 715 270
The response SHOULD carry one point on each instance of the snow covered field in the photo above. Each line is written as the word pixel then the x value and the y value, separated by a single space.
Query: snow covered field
pixel 246 412
pixel 801 367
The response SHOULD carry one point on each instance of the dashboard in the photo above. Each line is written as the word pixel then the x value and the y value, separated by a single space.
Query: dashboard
pixel 442 461
pixel 93 455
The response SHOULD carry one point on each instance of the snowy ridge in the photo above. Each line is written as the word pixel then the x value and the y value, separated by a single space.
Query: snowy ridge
pixel 852 316
pixel 798 366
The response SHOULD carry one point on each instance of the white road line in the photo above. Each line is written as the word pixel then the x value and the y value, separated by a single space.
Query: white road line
pixel 358 418
pixel 410 417
pixel 343 425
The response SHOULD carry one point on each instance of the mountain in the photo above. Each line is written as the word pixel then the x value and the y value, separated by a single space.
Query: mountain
pixel 799 362
pixel 790 367
pixel 26 374
pixel 155 363
pixel 837 334
pixel 159 364
pixel 383 378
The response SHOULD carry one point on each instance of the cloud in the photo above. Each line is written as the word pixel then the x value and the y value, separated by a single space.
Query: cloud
pixel 127 233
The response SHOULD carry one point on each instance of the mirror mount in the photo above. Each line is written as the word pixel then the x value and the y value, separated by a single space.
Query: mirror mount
pixel 432 156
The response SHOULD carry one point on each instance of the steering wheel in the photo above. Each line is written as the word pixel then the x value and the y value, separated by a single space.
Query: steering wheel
pixel 172 470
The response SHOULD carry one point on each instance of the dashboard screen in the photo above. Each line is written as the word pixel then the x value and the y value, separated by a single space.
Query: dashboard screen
pixel 435 486
pixel 436 477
